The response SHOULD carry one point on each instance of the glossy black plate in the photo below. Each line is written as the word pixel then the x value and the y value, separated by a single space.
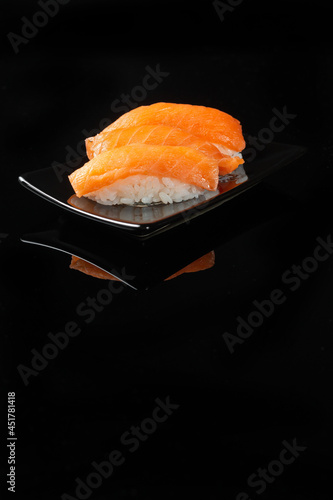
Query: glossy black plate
pixel 145 222
pixel 143 263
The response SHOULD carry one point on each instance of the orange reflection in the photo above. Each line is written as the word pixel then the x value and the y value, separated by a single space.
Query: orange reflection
pixel 90 269
pixel 201 264
pixel 205 262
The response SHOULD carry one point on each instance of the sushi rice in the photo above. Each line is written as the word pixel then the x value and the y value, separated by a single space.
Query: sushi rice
pixel 145 189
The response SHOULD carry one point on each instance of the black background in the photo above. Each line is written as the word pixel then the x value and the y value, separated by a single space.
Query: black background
pixel 235 409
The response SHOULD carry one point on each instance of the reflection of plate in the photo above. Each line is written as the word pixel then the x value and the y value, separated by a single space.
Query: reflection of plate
pixel 138 264
pixel 144 263
pixel 147 221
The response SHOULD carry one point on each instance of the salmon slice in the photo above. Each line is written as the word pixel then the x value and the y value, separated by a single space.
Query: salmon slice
pixel 160 135
pixel 90 269
pixel 175 162
pixel 213 125
pixel 229 163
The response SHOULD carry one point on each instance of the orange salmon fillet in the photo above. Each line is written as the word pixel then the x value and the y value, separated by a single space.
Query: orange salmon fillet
pixel 177 162
pixel 161 135
pixel 158 135
pixel 211 124
pixel 229 164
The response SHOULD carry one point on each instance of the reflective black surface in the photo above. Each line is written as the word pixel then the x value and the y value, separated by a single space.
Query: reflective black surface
pixel 145 263
pixel 226 368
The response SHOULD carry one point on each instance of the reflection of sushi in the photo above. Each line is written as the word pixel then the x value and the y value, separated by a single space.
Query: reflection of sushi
pixel 162 153
pixel 205 262
pixel 160 135
pixel 146 174
pixel 87 268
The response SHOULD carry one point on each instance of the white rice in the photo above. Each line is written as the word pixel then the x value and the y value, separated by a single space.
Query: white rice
pixel 145 189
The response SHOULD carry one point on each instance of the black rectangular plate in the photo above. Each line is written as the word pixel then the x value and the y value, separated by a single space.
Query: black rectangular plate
pixel 145 222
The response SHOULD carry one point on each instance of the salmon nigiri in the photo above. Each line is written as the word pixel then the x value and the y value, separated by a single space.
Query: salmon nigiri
pixel 142 173
pixel 213 125
pixel 159 135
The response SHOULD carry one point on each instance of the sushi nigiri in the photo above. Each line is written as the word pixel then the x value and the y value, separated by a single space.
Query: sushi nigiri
pixel 211 124
pixel 142 173
pixel 161 135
